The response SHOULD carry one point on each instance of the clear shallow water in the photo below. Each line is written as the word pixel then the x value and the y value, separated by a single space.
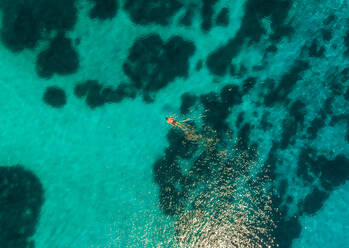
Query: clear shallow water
pixel 84 92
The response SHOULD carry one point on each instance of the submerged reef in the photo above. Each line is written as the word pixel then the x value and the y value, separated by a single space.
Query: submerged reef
pixel 153 63
pixel 223 17
pixel 25 23
pixel 151 11
pixel 332 173
pixel 59 58
pixel 251 31
pixel 21 198
pixel 279 93
pixel 207 11
pixel 55 97
pixel 97 95
pixel 104 9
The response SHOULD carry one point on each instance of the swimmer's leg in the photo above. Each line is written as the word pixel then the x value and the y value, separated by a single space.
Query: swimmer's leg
pixel 189 119
pixel 181 126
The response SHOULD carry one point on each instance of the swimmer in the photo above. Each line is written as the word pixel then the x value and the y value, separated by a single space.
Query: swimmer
pixel 175 123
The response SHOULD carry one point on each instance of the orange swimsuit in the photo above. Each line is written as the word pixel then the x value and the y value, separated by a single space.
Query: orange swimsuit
pixel 173 122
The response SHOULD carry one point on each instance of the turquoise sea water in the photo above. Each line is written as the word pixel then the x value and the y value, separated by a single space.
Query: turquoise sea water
pixel 87 158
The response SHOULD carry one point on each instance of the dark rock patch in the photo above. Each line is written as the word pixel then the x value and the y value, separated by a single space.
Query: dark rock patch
pixel 281 32
pixel 292 124
pixel 20 30
pixel 97 96
pixel 166 171
pixel 152 11
pixel 207 11
pixel 289 131
pixel 345 74
pixel 180 146
pixel 219 60
pixel 332 173
pixel 304 166
pixel 327 107
pixel 336 86
pixel 314 201
pixel 199 65
pixel 255 9
pixel 77 41
pixel 330 19
pixel 239 120
pixel 252 30
pixel 232 70
pixel 248 84
pixel 223 17
pixel 24 23
pixel 59 58
pixel 187 18
pixel 265 124
pixel 152 63
pixel 243 137
pixel 346 94
pixel 93 90
pixel 231 95
pixel 55 97
pixel 286 230
pixel 289 199
pixel 21 199
pixel 242 71
pixel 326 34
pixel 339 118
pixel 346 44
pixel 298 111
pixel 188 101
pixel 215 112
pixel 315 50
pixel 271 49
pixel 258 67
pixel 283 187
pixel 287 82
pixel 104 9
pixel 315 125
